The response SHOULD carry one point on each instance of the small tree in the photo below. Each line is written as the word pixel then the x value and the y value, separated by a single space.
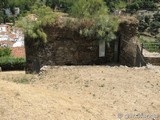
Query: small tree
pixel 103 25
pixel 32 24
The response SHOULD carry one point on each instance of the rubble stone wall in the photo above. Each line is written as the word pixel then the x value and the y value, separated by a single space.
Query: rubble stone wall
pixel 65 47
pixel 153 60
pixel 68 47
pixel 129 43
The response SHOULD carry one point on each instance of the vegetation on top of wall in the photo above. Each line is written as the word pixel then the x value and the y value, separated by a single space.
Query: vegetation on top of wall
pixel 95 11
pixel 100 24
pixel 32 24
pixel 34 18
pixel 88 9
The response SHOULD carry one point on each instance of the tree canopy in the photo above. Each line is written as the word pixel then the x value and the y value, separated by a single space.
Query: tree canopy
pixel 96 11
pixel 38 17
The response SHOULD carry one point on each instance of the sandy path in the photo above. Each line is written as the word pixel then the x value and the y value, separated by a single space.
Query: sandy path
pixel 81 93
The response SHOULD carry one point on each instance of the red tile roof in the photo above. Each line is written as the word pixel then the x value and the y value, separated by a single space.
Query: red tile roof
pixel 13 36
pixel 10 43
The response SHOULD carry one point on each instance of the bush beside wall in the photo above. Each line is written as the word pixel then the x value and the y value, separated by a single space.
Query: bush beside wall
pixel 7 62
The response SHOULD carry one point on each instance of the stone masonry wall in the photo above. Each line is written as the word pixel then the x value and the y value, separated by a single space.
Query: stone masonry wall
pixel 153 60
pixel 64 47
pixel 68 47
pixel 129 45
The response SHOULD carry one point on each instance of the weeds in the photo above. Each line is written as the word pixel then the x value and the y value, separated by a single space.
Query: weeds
pixel 22 80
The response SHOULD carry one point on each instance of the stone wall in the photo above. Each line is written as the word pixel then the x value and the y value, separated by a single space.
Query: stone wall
pixel 67 47
pixel 153 60
pixel 130 54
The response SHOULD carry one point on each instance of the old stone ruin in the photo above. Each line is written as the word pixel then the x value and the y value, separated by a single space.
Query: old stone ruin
pixel 66 46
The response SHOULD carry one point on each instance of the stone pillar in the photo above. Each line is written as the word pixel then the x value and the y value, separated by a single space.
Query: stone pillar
pixel 128 41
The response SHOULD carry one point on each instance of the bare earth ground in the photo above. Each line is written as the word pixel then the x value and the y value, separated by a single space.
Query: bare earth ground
pixel 80 93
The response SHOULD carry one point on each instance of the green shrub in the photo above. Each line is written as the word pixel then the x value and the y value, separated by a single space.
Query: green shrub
pixel 102 25
pixel 155 25
pixel 32 24
pixel 142 4
pixel 10 63
pixel 5 52
pixel 142 26
pixel 157 16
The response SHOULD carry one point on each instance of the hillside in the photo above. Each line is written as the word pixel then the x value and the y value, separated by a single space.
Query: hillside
pixel 80 93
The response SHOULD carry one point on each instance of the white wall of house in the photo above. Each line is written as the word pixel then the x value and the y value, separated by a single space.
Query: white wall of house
pixel 16 35
pixel 18 44
pixel 4 37
pixel 3 28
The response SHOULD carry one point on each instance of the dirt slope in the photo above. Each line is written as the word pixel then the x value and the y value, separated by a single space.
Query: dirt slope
pixel 80 93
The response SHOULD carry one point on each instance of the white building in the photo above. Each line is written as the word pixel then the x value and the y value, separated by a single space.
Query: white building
pixel 15 35
pixel 4 37
pixel 19 34
pixel 4 28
